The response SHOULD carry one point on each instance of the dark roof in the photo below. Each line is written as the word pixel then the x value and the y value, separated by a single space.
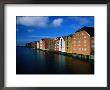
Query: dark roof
pixel 64 37
pixel 89 30
pixel 58 37
pixel 70 35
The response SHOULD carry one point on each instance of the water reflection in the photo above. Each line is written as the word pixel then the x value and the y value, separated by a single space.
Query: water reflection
pixel 31 61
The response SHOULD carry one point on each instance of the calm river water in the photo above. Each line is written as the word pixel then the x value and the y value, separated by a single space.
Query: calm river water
pixel 30 61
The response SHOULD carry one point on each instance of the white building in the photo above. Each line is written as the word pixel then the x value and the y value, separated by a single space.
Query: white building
pixel 62 44
pixel 41 44
pixel 38 45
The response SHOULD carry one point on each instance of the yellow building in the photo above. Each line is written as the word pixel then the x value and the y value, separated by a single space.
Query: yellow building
pixel 68 44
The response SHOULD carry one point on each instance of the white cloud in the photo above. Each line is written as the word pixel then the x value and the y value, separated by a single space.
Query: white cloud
pixel 36 21
pixel 57 22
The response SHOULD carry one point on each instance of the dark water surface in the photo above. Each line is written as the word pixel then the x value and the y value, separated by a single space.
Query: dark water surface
pixel 30 61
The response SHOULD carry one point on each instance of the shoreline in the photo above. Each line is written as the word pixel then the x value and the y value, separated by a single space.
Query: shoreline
pixel 88 58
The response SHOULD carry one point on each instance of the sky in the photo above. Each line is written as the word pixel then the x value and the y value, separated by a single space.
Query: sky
pixel 34 28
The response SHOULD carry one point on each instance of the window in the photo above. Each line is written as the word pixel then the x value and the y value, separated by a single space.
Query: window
pixel 92 41
pixel 74 41
pixel 82 49
pixel 79 49
pixel 92 46
pixel 79 41
pixel 61 40
pixel 79 45
pixel 84 41
pixel 85 49
pixel 84 36
pixel 82 33
pixel 74 49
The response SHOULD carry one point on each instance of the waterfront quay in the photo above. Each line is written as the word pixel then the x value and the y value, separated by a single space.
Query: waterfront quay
pixel 78 45
pixel 88 58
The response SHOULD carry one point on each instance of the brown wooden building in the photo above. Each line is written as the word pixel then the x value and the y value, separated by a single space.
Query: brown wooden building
pixel 45 42
pixel 82 43
pixel 56 44
pixel 51 44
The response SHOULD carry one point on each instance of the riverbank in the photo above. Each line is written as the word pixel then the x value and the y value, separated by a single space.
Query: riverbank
pixel 88 58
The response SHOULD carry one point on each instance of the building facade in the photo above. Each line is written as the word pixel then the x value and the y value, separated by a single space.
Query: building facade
pixel 51 44
pixel 61 44
pixel 34 44
pixel 41 44
pixel 70 46
pixel 92 45
pixel 38 45
pixel 66 43
pixel 82 41
pixel 28 45
pixel 45 42
pixel 56 44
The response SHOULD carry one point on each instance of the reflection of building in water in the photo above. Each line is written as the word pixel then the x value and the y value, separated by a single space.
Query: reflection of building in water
pixel 61 63
pixel 78 67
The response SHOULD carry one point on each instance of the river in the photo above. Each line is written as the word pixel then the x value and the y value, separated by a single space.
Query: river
pixel 30 61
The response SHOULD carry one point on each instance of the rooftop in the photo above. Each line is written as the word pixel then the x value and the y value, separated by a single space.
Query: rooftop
pixel 89 30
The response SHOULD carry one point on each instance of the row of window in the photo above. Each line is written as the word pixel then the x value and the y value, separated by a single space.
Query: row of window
pixel 81 37
pixel 80 41
pixel 79 45
pixel 80 49
pixel 81 33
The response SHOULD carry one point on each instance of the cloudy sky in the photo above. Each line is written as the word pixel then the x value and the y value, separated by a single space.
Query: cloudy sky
pixel 33 28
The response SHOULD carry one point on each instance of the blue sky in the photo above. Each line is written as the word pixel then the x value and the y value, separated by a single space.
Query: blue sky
pixel 34 28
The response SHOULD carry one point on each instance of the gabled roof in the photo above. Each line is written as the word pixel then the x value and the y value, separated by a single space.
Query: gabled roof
pixel 70 35
pixel 89 30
